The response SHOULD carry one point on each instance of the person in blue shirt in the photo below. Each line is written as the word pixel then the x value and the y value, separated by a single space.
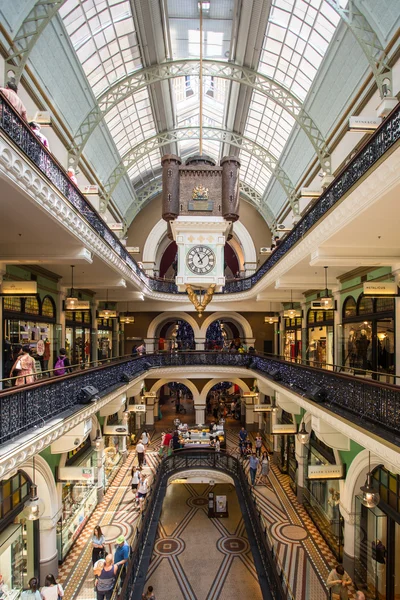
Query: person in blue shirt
pixel 242 439
pixel 253 462
pixel 121 554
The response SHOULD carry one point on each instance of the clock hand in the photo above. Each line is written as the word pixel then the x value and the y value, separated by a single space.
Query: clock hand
pixel 200 259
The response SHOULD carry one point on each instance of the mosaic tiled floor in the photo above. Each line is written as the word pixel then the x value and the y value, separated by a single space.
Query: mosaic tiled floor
pixel 302 552
pixel 197 558
pixel 116 516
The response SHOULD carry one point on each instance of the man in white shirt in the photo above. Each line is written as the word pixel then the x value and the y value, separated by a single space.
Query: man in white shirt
pixel 140 453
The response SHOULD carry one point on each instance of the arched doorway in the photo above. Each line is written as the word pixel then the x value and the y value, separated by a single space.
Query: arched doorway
pixel 220 334
pixel 177 399
pixel 178 335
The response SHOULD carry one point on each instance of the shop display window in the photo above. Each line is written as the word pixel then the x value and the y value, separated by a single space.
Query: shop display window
pixel 367 338
pixel 78 336
pixel 292 341
pixel 370 550
pixel 11 561
pixel 322 497
pixel 79 501
pixel 319 351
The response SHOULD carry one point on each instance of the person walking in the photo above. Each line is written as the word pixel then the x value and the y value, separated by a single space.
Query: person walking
pixel 25 367
pixel 33 592
pixel 338 582
pixel 51 589
pixel 62 366
pixel 145 439
pixel 253 462
pixel 106 580
pixel 135 480
pixel 140 453
pixel 98 541
pixel 217 449
pixel 143 488
pixel 149 595
pixel 258 444
pixel 167 442
pixel 264 468
pixel 121 553
pixel 36 130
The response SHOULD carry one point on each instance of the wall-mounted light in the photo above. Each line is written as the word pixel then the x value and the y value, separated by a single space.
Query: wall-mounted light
pixel 370 497
pixel 34 507
pixel 303 436
pixel 98 440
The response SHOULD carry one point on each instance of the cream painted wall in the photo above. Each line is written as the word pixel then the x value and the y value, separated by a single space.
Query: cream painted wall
pixel 151 214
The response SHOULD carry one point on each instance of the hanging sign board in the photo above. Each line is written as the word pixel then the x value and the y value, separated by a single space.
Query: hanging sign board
pixel 325 472
pixel 19 288
pixel 380 288
pixel 138 408
pixel 262 408
pixel 284 428
pixel 76 474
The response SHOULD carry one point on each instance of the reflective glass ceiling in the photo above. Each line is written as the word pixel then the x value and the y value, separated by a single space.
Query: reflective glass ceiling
pixel 106 39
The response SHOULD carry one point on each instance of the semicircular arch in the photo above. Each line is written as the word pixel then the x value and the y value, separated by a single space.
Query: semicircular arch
pixel 235 317
pixel 172 316
pixel 210 384
pixel 189 384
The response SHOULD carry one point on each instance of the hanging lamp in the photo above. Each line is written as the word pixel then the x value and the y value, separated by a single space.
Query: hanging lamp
pixel 107 313
pixel 370 497
pixel 326 302
pixel 72 301
pixel 34 507
pixel 292 312
pixel 271 318
pixel 302 435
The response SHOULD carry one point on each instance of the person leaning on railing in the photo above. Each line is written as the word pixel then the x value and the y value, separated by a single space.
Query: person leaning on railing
pixel 106 575
pixel 11 93
pixel 24 367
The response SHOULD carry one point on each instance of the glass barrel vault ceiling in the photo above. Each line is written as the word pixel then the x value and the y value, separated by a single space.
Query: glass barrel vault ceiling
pixel 104 36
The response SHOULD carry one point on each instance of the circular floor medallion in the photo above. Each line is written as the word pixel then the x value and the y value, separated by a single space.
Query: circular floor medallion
pixel 196 502
pixel 233 545
pixel 294 533
pixel 169 546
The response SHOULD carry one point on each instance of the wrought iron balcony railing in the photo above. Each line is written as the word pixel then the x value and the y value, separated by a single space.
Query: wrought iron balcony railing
pixel 372 405
pixel 376 146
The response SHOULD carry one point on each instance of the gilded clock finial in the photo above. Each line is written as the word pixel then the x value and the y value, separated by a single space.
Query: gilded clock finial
pixel 200 305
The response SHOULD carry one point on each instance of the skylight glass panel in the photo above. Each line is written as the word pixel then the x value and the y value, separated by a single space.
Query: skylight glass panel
pixel 131 121
pixel 104 38
pixel 253 172
pixel 296 40
pixel 145 168
pixel 268 124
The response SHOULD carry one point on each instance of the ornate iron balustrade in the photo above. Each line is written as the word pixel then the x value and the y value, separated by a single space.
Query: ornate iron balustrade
pixel 373 405
pixel 272 584
pixel 379 143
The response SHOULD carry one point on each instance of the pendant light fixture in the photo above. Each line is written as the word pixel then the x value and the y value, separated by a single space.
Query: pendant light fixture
pixel 71 302
pixel 126 317
pixel 34 506
pixel 271 318
pixel 107 313
pixel 370 497
pixel 302 435
pixel 98 440
pixel 274 407
pixel 326 302
pixel 292 313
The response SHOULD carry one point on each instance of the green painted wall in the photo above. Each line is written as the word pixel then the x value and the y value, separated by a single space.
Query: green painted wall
pixel 347 456
pixel 52 460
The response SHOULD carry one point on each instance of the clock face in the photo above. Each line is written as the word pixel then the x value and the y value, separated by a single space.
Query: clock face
pixel 200 260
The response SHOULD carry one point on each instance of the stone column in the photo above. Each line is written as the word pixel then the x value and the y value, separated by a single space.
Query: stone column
pixel 304 333
pixel 149 412
pixel 397 334
pixel 115 340
pixel 2 373
pixel 337 330
pixel 95 332
pixel 301 458
pixel 156 406
pixel 200 343
pixel 60 312
pixel 121 349
pixel 249 268
pixel 200 411
pixel 348 545
pixel 150 345
pixel 48 547
pixel 100 471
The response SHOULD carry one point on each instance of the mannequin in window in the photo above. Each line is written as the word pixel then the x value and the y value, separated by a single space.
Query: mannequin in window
pixel 351 348
pixel 362 349
pixel 46 354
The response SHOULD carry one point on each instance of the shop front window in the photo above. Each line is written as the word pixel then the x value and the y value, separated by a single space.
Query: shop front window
pixel 319 350
pixel 322 497
pixel 292 342
pixel 12 561
pixel 366 337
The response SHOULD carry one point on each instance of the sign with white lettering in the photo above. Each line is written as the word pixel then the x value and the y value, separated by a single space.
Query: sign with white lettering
pixel 262 408
pixel 76 474
pixel 284 428
pixel 138 408
pixel 325 472
pixel 380 288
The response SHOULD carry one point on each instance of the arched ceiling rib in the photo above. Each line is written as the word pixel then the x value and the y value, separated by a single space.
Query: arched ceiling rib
pixel 265 158
pixel 105 37
pixel 263 85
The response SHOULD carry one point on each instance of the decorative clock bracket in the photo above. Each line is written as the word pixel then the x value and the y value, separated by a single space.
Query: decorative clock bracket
pixel 199 303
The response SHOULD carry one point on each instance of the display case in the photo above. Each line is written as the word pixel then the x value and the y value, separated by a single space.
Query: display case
pixel 201 437
pixel 79 501
pixel 12 561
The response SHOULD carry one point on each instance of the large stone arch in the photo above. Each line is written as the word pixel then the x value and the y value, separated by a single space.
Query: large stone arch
pixel 210 384
pixel 355 478
pixel 172 316
pixel 157 242
pixel 237 318
pixel 189 384
pixel 40 472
